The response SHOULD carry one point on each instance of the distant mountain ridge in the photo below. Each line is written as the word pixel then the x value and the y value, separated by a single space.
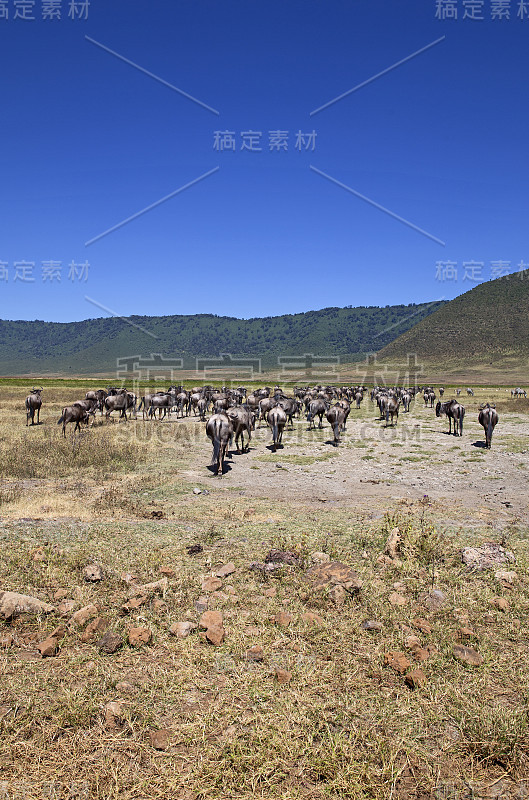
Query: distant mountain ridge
pixel 489 325
pixel 93 346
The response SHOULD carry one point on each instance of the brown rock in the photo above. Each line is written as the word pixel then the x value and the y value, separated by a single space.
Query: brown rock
pixel 500 603
pixel 59 632
pixel 422 624
pixel 92 573
pixel 423 653
pixel 311 618
pixel 12 604
pixel 225 570
pixel 282 619
pixel 283 675
pixel 397 661
pixel 182 629
pixel 255 653
pixel 38 554
pixel 215 634
pixel 397 599
pixel 138 636
pixel 337 594
pixel 134 603
pixel 412 642
pixel 489 556
pixel 211 583
pixel 507 577
pixel 415 679
pixel 334 574
pixel 60 594
pixel 84 614
pixel 167 571
pixel 160 739
pixel 113 715
pixel 465 633
pixel 393 543
pixel 128 578
pixel 93 629
pixel 283 557
pixel 110 642
pixel 125 687
pixel 48 647
pixel 433 600
pixel 66 607
pixel 210 618
pixel 371 625
pixel 488 619
pixel 272 592
pixel 160 606
pixel 201 604
pixel 467 655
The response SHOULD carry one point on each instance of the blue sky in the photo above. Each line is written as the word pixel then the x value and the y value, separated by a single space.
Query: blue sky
pixel 88 140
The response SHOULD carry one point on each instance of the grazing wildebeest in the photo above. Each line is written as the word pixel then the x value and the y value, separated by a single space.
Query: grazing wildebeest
pixel 441 391
pixel 98 396
pixel 219 429
pixel 90 406
pixel 470 392
pixel 336 418
pixel 392 409
pixel 75 414
pixel 277 419
pixel 116 402
pixel 518 392
pixel 242 420
pixel 317 408
pixel 458 392
pixel 161 402
pixel 346 405
pixel 488 419
pixel 33 403
pixel 454 411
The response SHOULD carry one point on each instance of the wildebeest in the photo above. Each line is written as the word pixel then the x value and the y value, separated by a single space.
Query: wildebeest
pixel 219 429
pixel 470 392
pixel 33 404
pixel 317 408
pixel 454 411
pixel 290 406
pixel 99 396
pixel 488 419
pixel 242 420
pixel 441 391
pixel 120 402
pixel 336 418
pixel 264 407
pixel 277 419
pixel 429 397
pixel 392 409
pixel 75 413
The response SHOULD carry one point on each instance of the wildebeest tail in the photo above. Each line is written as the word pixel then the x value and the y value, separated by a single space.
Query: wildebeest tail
pixel 274 431
pixel 61 418
pixel 337 430
pixel 489 428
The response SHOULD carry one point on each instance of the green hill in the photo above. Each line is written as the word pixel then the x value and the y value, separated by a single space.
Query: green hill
pixel 485 328
pixel 94 345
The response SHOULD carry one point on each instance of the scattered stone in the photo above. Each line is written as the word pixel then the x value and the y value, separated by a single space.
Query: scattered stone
pixel 134 603
pixel 467 655
pixel 272 592
pixel 60 594
pixel 283 619
pixel 397 599
pixel 138 636
pixel 489 556
pixel 319 558
pixel 182 629
pixel 160 739
pixel 210 618
pixel 151 588
pixel 93 629
pixel 433 600
pixel 66 607
pixel 334 574
pixel 415 679
pixel 465 633
pixel 196 490
pixel 255 653
pixel 311 618
pixel 12 604
pixel 211 583
pixel 371 625
pixel 337 595
pixel 92 573
pixel 488 619
pixel 283 557
pixel 113 715
pixel 422 624
pixel 167 571
pixel 125 687
pixel 507 577
pixel 283 675
pixel 265 568
pixel 393 543
pixel 126 577
pixel 501 604
pixel 110 642
pixel 84 614
pixel 215 635
pixel 39 554
pixel 48 647
pixel 385 561
pixel 194 549
pixel 225 570
pixel 397 661
pixel 201 604
pixel 412 642
pixel 160 606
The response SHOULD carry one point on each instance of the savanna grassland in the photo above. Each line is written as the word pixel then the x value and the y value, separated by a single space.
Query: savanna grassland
pixel 323 712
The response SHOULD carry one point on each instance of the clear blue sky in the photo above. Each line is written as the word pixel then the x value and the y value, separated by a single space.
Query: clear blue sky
pixel 88 140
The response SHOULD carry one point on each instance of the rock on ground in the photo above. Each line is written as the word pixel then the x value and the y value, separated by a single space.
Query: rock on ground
pixel 12 604
pixel 488 556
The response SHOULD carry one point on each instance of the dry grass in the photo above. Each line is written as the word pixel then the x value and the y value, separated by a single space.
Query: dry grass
pixel 345 726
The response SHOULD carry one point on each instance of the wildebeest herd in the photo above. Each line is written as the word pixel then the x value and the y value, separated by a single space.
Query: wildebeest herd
pixel 234 413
